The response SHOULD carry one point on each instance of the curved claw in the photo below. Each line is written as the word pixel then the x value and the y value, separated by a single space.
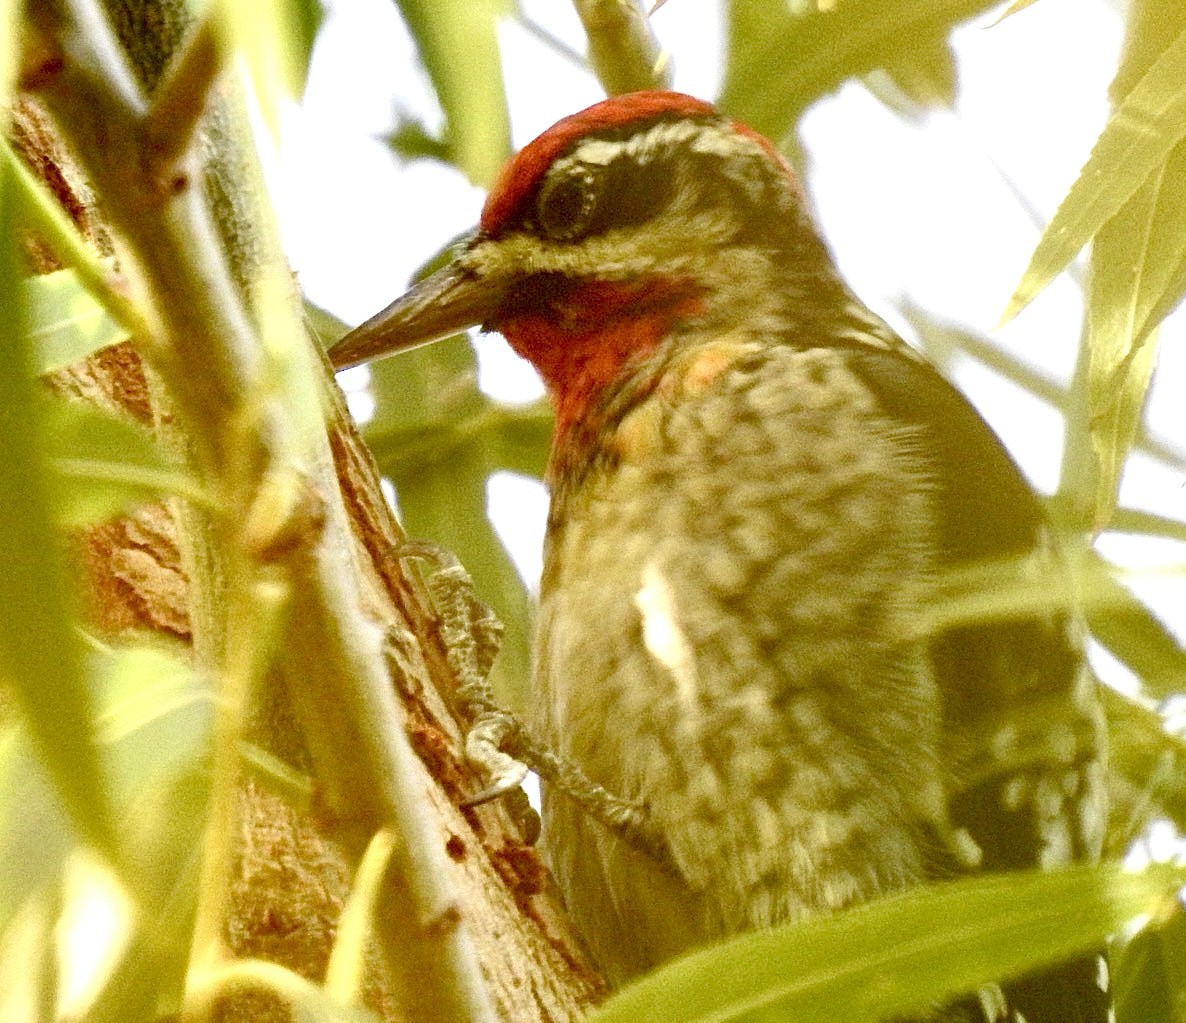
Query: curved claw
pixel 483 749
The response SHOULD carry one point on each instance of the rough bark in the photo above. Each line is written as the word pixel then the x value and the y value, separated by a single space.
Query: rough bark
pixel 292 874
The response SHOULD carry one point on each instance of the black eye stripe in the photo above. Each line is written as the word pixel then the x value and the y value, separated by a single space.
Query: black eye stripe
pixel 584 199
pixel 568 201
pixel 581 198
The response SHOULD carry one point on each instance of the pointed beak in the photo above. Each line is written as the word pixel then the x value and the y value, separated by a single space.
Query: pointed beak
pixel 449 301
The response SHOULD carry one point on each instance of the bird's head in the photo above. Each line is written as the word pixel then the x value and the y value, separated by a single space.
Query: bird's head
pixel 639 220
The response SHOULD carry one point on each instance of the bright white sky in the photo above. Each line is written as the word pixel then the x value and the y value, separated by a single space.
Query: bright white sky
pixel 923 209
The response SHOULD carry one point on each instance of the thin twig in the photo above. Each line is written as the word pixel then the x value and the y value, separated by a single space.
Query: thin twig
pixel 180 99
pixel 251 415
pixel 622 48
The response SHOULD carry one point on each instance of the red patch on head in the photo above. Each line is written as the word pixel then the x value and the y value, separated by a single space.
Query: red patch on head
pixel 521 174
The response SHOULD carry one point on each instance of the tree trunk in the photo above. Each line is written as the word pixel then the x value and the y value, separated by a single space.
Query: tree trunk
pixel 293 865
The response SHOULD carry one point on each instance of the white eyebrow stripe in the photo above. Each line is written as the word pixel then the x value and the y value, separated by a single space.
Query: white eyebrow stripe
pixel 706 137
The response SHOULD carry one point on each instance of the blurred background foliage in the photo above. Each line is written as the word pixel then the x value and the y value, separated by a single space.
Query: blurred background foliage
pixel 104 772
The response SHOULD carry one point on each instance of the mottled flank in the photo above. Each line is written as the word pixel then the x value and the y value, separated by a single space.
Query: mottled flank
pixel 762 624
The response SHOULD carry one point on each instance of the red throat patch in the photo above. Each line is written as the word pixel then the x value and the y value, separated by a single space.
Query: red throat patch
pixel 582 344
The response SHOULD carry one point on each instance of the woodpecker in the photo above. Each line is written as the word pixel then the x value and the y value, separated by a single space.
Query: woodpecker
pixel 755 486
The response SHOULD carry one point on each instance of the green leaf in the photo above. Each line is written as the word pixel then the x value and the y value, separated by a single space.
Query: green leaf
pixel 1121 359
pixel 1150 27
pixel 1138 138
pixel 106 463
pixel 779 63
pixel 40 659
pixel 897 956
pixel 1149 972
pixel 411 140
pixel 35 834
pixel 275 39
pixel 155 726
pixel 928 78
pixel 66 323
pixel 1138 272
pixel 459 47
pixel 1131 632
pixel 1146 769
pixel 346 970
pixel 154 722
pixel 28 974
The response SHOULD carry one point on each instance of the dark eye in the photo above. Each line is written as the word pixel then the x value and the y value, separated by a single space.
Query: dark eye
pixel 567 202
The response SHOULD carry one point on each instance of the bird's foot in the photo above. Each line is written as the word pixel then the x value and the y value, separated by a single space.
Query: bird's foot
pixel 497 743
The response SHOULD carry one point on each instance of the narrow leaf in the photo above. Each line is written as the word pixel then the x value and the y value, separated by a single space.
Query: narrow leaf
pixel 779 63
pixel 1121 359
pixel 347 961
pixel 39 651
pixel 154 720
pixel 36 835
pixel 1138 138
pixel 1150 970
pixel 459 46
pixel 103 464
pixel 1146 768
pixel 927 78
pixel 66 323
pixel 898 956
pixel 1132 633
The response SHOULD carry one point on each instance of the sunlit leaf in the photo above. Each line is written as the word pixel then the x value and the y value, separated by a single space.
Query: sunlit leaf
pixel 39 650
pixel 1149 971
pixel 1122 355
pixel 1138 272
pixel 779 63
pixel 1138 138
pixel 1149 27
pixel 347 962
pixel 103 464
pixel 36 835
pixel 155 721
pixel 93 929
pixel 898 956
pixel 1132 633
pixel 27 974
pixel 66 323
pixel 275 40
pixel 458 44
